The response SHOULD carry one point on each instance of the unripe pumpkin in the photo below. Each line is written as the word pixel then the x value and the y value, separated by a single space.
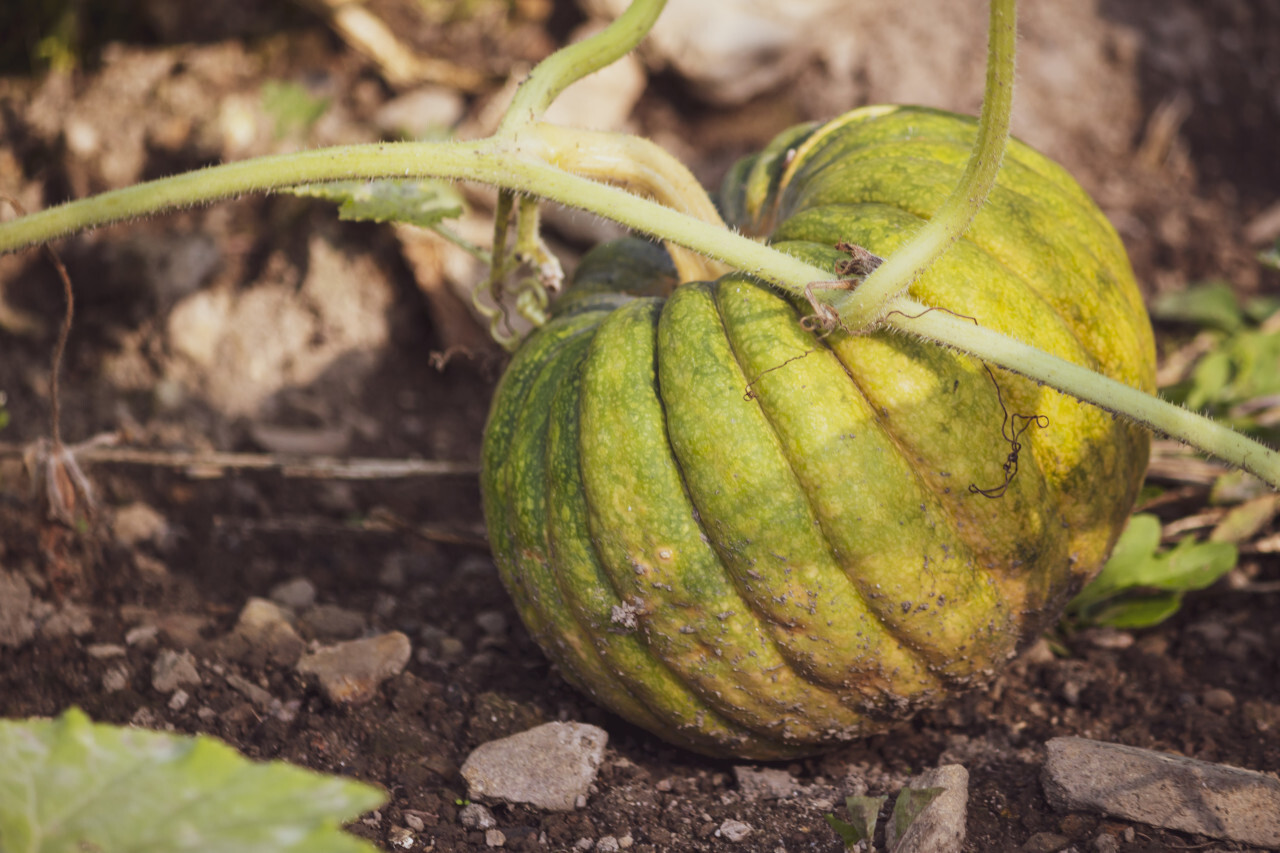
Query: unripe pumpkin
pixel 760 542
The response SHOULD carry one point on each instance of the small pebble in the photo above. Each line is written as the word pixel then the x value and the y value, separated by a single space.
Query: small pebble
pixel 172 669
pixel 179 699
pixel 550 766
pixel 492 622
pixel 770 783
pixel 1218 699
pixel 351 672
pixel 105 650
pixel 297 594
pixel 734 830
pixel 608 844
pixel 494 837
pixel 398 836
pixel 414 822
pixel 476 816
pixel 584 844
pixel 142 635
pixel 138 523
pixel 1106 843
pixel 116 678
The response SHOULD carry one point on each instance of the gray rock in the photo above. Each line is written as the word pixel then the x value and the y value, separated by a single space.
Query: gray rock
pixel 331 622
pixel 550 766
pixel 350 673
pixel 297 594
pixel 495 838
pixel 734 830
pixel 70 619
pixel 492 622
pixel 101 651
pixel 476 816
pixel 1163 790
pixel 263 635
pixel 138 523
pixel 16 624
pixel 940 826
pixel 173 669
pixel 116 678
pixel 770 783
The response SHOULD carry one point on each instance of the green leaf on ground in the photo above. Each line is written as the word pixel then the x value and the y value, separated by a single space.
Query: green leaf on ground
pixel 426 203
pixel 1141 586
pixel 69 785
pixel 864 813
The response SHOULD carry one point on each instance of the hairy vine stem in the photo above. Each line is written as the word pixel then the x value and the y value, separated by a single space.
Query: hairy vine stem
pixel 861 308
pixel 527 158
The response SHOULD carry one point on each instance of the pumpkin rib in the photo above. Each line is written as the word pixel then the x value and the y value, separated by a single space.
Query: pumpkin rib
pixel 841 477
pixel 595 602
pixel 971 517
pixel 554 625
pixel 752 496
pixel 652 545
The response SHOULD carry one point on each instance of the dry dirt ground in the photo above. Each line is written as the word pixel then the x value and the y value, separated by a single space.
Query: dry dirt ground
pixel 266 325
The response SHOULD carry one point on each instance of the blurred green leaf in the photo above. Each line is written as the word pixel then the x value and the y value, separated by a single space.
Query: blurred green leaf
pixel 425 203
pixel 1212 304
pixel 291 106
pixel 1271 257
pixel 1237 379
pixel 864 813
pixel 68 785
pixel 1141 586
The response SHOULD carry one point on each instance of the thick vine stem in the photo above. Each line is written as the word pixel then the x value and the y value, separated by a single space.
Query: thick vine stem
pixel 498 165
pixel 569 64
pixel 1144 409
pixel 862 307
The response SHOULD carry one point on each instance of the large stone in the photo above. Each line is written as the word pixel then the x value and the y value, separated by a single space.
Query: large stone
pixel 940 826
pixel 550 767
pixel 1163 790
pixel 350 673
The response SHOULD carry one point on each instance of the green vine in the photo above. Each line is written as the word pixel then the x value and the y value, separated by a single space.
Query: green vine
pixel 529 159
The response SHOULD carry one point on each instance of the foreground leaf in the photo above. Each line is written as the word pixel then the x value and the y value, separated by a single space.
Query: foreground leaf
pixel 68 786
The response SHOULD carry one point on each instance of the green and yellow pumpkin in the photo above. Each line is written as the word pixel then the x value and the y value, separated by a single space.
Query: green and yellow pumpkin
pixel 758 541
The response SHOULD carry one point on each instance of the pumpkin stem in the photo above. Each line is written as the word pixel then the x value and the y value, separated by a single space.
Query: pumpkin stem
pixel 863 307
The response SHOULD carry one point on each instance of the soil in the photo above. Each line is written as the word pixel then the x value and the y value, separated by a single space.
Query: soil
pixel 267 325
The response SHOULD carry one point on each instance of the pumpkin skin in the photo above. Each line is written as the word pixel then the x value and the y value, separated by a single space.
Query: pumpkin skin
pixel 761 543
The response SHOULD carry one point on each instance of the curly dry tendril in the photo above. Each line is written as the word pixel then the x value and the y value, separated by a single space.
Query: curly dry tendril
pixel 862 263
